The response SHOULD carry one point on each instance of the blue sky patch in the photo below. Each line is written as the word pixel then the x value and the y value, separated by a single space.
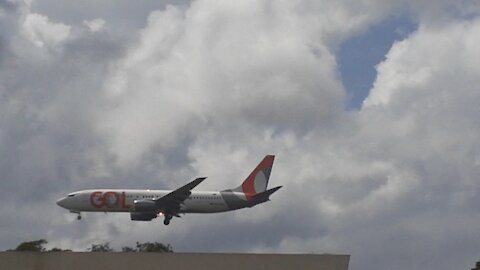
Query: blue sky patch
pixel 359 55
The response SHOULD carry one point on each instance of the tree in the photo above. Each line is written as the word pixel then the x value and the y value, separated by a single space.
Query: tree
pixel 55 249
pixel 154 247
pixel 149 247
pixel 128 249
pixel 36 245
pixel 105 247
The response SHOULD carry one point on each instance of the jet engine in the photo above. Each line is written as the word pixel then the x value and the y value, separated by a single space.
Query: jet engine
pixel 145 206
pixel 142 216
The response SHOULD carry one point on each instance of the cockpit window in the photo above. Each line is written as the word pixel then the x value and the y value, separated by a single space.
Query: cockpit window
pixel 71 195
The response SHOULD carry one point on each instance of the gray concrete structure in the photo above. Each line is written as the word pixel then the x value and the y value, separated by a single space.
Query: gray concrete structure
pixel 183 261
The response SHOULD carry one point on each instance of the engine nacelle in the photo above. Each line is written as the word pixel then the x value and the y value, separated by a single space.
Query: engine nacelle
pixel 142 216
pixel 145 206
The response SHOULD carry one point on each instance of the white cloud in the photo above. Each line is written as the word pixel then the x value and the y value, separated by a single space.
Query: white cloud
pixel 414 64
pixel 39 30
pixel 211 88
pixel 422 115
pixel 227 64
pixel 95 25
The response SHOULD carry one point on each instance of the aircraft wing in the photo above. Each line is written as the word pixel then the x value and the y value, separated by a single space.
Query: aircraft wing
pixel 171 202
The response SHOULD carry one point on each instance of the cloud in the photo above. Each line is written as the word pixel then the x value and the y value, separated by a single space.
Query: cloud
pixel 46 101
pixel 95 25
pixel 38 29
pixel 425 103
pixel 263 61
pixel 208 89
pixel 373 168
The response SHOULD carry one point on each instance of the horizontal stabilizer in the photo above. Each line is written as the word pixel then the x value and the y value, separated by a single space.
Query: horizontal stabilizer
pixel 265 196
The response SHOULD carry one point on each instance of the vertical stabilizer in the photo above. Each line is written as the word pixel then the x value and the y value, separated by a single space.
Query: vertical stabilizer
pixel 257 181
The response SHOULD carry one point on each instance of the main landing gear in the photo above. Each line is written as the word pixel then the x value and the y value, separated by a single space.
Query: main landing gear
pixel 167 219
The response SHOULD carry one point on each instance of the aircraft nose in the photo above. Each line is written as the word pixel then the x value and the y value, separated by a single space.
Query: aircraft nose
pixel 61 202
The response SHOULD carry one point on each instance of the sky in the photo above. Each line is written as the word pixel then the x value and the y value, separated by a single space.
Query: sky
pixel 371 108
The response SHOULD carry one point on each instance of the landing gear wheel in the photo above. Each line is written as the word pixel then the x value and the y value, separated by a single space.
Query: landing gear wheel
pixel 167 219
pixel 79 215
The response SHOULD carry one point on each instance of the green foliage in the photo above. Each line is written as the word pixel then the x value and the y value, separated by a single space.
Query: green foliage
pixel 36 245
pixel 55 249
pixel 153 247
pixel 105 247
pixel 128 249
pixel 149 247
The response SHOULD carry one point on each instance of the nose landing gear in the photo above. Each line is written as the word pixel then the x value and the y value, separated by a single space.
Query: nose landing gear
pixel 79 215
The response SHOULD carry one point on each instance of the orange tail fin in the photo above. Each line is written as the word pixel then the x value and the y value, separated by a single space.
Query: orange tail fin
pixel 257 181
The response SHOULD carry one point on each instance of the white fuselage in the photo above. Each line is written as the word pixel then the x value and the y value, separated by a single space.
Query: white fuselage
pixel 145 205
pixel 122 200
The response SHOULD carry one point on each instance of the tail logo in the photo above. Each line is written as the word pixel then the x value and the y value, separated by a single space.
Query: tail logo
pixel 254 189
pixel 257 181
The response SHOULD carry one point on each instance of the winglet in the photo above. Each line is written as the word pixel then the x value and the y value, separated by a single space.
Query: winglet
pixel 182 192
pixel 193 184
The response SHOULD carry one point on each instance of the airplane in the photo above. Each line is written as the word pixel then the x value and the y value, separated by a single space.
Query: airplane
pixel 145 205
